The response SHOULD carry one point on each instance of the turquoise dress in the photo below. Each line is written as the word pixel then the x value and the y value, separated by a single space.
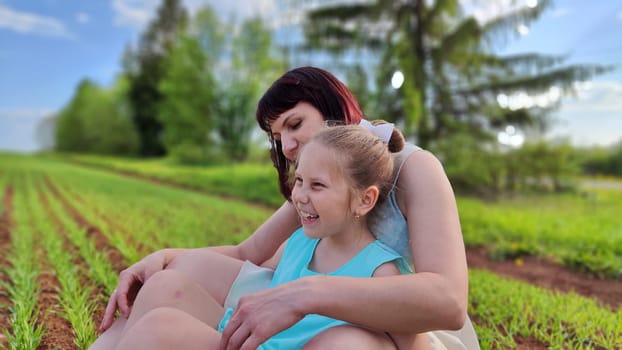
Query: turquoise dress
pixel 294 264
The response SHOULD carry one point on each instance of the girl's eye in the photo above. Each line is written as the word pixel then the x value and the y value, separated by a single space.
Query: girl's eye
pixel 298 180
pixel 317 185
pixel 296 125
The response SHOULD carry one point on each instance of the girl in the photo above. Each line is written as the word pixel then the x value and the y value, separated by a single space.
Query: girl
pixel 419 220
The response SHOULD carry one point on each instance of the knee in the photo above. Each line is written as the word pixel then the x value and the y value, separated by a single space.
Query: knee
pixel 350 337
pixel 164 285
pixel 189 261
pixel 156 329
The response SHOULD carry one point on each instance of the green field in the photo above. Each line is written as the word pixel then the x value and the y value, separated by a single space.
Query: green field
pixel 79 224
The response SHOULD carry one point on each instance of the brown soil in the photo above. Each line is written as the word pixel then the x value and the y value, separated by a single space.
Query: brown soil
pixel 97 292
pixel 92 231
pixel 58 331
pixel 5 246
pixel 544 273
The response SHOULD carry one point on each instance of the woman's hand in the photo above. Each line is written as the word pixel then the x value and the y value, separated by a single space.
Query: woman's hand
pixel 263 314
pixel 130 281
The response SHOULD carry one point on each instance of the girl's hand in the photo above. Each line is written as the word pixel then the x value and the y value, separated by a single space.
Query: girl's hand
pixel 261 315
pixel 130 281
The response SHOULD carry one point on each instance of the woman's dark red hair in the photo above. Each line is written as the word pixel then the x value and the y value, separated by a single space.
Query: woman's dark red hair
pixel 315 86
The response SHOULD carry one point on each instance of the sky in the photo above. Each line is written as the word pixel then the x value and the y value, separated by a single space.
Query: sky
pixel 48 46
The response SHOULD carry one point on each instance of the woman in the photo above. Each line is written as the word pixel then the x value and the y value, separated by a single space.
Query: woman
pixel 420 220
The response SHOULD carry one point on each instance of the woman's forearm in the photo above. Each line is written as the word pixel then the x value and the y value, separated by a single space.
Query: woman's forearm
pixel 401 304
pixel 257 248
pixel 169 254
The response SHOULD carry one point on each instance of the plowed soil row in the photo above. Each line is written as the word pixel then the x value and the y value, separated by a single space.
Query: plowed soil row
pixel 59 334
pixel 547 274
pixel 93 232
pixel 5 246
pixel 58 339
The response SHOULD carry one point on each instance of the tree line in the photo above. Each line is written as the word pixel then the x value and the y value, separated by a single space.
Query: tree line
pixel 187 90
pixel 189 87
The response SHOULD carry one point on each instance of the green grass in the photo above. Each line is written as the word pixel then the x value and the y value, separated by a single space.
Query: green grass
pixel 580 230
pixel 26 331
pixel 137 217
pixel 229 180
pixel 74 297
pixel 505 309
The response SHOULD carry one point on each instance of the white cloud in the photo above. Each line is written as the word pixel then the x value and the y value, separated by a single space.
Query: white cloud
pixel 137 13
pixel 561 12
pixel 593 116
pixel 133 13
pixel 484 11
pixel 598 96
pixel 27 114
pixel 83 17
pixel 17 128
pixel 30 23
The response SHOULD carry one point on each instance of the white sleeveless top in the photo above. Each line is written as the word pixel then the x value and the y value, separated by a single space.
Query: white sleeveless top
pixel 388 223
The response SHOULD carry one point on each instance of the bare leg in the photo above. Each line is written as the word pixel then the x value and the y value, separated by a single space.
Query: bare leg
pixel 214 272
pixel 109 339
pixel 169 328
pixel 350 337
pixel 172 289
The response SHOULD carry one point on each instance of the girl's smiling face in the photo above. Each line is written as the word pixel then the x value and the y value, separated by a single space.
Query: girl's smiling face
pixel 293 128
pixel 321 193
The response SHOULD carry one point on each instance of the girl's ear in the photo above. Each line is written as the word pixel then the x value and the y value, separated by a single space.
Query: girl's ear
pixel 368 200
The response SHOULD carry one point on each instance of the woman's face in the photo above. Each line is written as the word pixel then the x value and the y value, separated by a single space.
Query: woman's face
pixel 295 127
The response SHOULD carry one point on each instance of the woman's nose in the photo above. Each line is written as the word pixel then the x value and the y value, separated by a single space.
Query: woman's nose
pixel 290 147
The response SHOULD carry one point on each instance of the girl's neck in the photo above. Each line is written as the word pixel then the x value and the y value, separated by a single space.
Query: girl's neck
pixel 333 252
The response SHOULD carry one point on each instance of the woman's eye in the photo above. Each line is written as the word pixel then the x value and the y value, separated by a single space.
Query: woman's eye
pixel 296 125
pixel 317 185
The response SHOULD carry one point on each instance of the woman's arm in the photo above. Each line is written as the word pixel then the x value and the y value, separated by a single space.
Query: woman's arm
pixel 433 298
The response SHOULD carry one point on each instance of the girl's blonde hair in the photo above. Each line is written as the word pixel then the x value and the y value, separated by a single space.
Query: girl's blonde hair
pixel 364 158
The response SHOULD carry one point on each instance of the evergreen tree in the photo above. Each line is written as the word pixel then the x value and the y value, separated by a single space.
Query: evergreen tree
pixel 145 69
pixel 454 81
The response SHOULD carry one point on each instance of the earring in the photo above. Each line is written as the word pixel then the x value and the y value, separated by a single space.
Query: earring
pixel 357 216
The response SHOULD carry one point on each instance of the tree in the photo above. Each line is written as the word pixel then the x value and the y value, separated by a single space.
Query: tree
pixel 186 111
pixel 96 120
pixel 145 69
pixel 69 131
pixel 252 68
pixel 453 78
pixel 211 81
